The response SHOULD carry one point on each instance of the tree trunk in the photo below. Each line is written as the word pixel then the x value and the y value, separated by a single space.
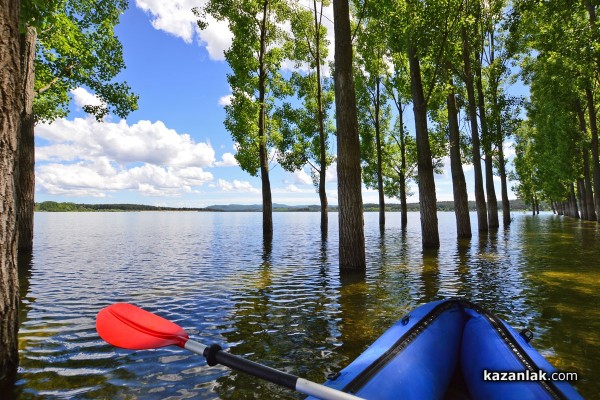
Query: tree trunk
pixel 262 135
pixel 591 213
pixel 595 163
pixel 322 136
pixel 553 207
pixel 11 107
pixel 482 221
pixel 573 202
pixel 403 203
pixel 492 201
pixel 427 197
pixel 379 155
pixel 582 198
pixel 499 142
pixel 503 180
pixel 351 225
pixel 25 184
pixel 589 193
pixel 459 185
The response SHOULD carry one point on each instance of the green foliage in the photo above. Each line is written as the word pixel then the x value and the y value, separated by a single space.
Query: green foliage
pixel 77 47
pixel 255 57
pixel 304 128
pixel 557 55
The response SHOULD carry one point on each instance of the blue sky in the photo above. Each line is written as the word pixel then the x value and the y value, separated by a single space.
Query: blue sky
pixel 174 150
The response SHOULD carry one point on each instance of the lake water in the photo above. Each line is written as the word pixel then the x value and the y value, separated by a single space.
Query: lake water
pixel 285 305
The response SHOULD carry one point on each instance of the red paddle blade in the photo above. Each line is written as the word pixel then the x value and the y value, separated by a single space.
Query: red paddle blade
pixel 127 326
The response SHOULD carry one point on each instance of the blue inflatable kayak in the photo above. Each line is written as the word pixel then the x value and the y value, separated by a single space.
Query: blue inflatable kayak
pixel 451 349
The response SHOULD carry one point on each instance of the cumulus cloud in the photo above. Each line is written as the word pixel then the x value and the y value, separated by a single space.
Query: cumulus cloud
pixel 176 18
pixel 228 160
pixel 86 158
pixel 144 141
pixel 301 178
pixel 82 98
pixel 225 100
pixel 236 186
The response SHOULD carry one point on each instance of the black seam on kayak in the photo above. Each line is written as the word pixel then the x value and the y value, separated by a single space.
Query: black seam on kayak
pixel 517 349
pixel 362 378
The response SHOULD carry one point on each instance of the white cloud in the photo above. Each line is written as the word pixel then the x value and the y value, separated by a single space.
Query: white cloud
pixel 225 100
pixel 176 18
pixel 82 97
pixel 153 143
pixel 228 161
pixel 236 186
pixel 88 158
pixel 301 178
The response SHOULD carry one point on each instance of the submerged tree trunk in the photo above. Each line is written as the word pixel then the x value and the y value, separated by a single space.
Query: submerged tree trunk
pixel 11 107
pixel 379 155
pixel 582 198
pixel 322 135
pixel 351 225
pixel 499 142
pixel 492 201
pixel 459 185
pixel 427 197
pixel 263 152
pixel 573 202
pixel 595 162
pixel 503 180
pixel 482 221
pixel 25 183
pixel 589 195
pixel 403 203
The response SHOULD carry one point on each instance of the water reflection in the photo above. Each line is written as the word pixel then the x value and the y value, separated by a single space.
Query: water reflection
pixel 282 301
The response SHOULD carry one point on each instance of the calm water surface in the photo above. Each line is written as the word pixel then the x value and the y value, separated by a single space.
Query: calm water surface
pixel 284 304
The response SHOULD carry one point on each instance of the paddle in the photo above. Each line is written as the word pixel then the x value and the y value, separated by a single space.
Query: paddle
pixel 127 326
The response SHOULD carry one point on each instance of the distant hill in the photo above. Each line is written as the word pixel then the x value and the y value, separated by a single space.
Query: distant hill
pixel 53 206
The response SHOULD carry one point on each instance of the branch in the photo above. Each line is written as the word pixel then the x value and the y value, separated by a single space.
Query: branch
pixel 47 87
pixel 313 166
pixel 362 14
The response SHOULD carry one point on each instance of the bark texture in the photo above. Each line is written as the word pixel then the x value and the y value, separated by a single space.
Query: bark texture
pixel 427 198
pixel 351 225
pixel 482 221
pixel 492 201
pixel 263 152
pixel 10 109
pixel 25 183
pixel 459 185
pixel 595 162
pixel 322 135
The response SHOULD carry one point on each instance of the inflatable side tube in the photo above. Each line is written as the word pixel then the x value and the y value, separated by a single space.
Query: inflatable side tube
pixel 409 361
pixel 489 344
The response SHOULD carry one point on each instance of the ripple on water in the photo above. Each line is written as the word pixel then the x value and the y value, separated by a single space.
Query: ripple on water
pixel 282 304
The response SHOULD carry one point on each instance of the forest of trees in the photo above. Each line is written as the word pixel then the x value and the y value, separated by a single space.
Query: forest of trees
pixel 451 62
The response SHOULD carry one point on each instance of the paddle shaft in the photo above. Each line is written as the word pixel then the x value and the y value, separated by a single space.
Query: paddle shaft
pixel 215 355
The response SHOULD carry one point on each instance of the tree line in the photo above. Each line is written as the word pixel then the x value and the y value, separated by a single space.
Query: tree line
pixel 448 60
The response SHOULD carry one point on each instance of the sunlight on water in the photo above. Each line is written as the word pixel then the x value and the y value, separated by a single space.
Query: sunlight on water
pixel 283 305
